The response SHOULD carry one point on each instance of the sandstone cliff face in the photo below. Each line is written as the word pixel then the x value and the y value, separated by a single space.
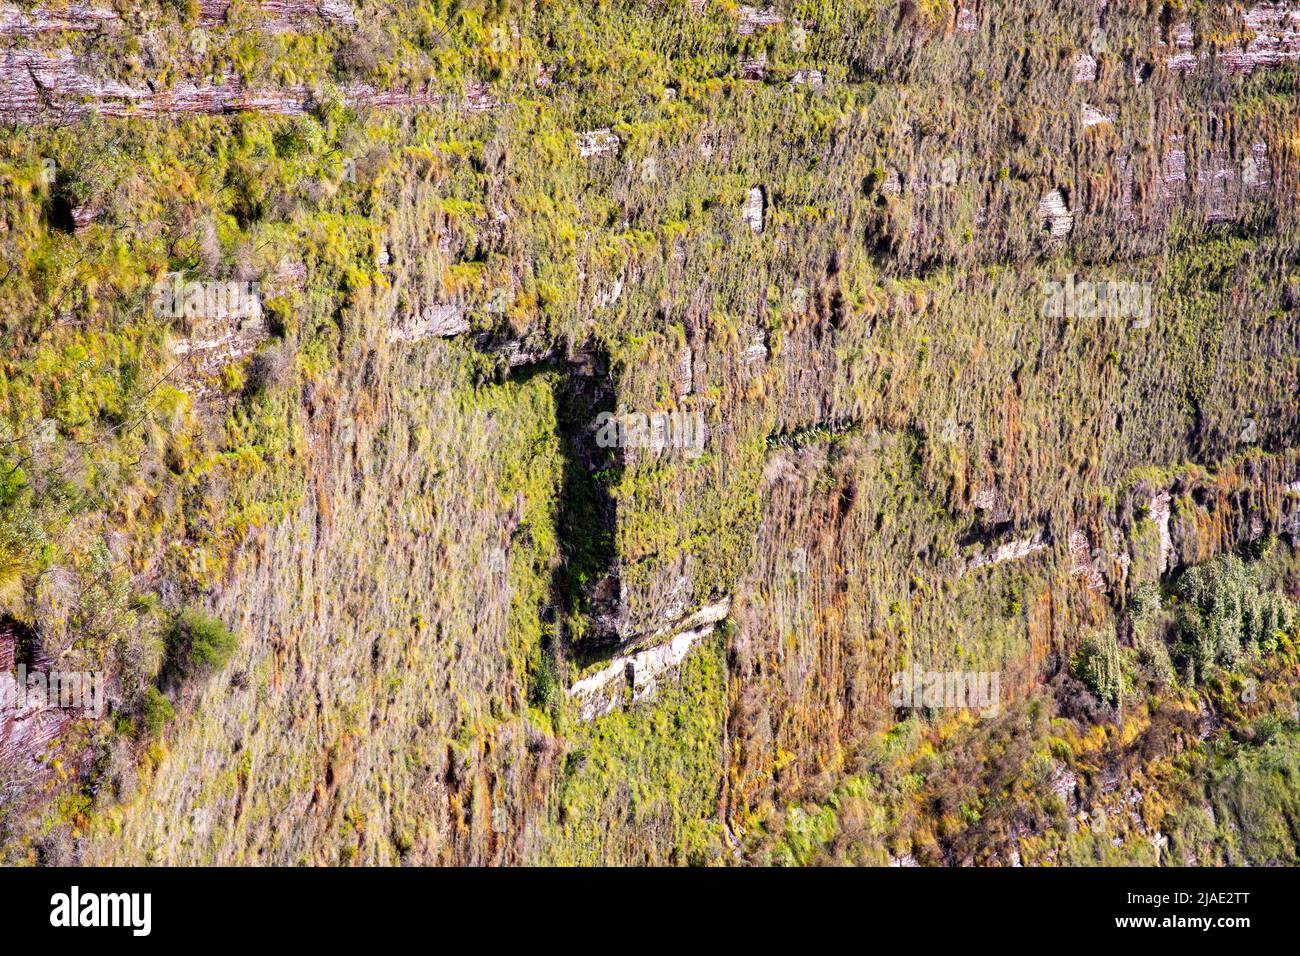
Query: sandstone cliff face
pixel 470 633
pixel 57 88
pixel 57 84
pixel 16 21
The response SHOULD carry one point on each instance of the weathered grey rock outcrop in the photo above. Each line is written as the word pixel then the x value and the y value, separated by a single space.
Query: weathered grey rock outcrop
pixel 1014 550
pixel 597 142
pixel 26 728
pixel 285 14
pixel 59 87
pixel 641 670
pixel 86 17
pixel 1082 563
pixel 1055 214
pixel 753 20
pixel 753 68
pixel 1273 32
pixel 442 320
pixel 753 211
pixel 814 79
pixel 1222 184
pixel 74 18
pixel 1085 69
pixel 1092 116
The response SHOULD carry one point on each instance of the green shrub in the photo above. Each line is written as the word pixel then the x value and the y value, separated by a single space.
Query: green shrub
pixel 1153 655
pixel 1226 618
pixel 1097 663
pixel 1144 607
pixel 199 645
pixel 1256 804
pixel 544 685
pixel 156 713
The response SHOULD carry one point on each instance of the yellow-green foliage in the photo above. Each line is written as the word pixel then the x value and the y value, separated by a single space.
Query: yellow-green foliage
pixel 641 785
pixel 348 511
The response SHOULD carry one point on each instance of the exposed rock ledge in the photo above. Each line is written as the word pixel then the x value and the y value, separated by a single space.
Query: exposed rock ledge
pixel 1055 214
pixel 442 320
pixel 37 87
pixel 640 670
pixel 76 17
pixel 1009 551
pixel 597 142
pixel 85 17
pixel 1273 30
pixel 214 343
pixel 753 20
pixel 26 730
pixel 285 14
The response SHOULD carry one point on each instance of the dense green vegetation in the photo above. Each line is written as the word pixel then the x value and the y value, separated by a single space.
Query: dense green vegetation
pixel 641 785
pixel 346 578
pixel 198 646
pixel 1226 618
pixel 1183 773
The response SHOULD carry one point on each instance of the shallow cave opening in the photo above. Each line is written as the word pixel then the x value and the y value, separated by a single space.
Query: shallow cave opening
pixel 59 213
pixel 18 644
pixel 60 207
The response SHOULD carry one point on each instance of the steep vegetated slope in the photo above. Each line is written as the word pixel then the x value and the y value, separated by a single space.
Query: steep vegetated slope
pixel 314 315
